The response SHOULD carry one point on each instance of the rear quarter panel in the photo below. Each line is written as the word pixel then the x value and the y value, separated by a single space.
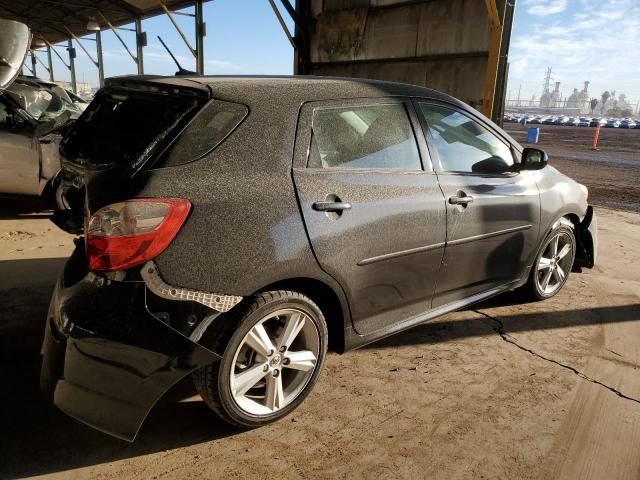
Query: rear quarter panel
pixel 245 230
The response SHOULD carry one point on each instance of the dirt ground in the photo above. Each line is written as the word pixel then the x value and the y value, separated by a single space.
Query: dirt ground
pixel 612 173
pixel 504 390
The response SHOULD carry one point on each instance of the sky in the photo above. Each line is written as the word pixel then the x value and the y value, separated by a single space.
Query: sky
pixel 595 40
pixel 243 37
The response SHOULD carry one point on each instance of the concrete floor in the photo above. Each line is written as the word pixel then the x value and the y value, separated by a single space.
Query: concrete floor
pixel 504 390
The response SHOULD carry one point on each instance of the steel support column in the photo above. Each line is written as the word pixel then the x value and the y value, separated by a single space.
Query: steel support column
pixel 495 42
pixel 41 62
pixel 141 42
pixel 50 62
pixel 84 49
pixel 72 65
pixel 100 60
pixel 502 76
pixel 200 34
pixel 302 54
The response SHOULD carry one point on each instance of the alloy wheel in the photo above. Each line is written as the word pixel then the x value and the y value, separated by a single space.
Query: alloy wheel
pixel 274 362
pixel 554 263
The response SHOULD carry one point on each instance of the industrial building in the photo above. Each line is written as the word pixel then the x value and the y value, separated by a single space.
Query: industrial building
pixel 457 46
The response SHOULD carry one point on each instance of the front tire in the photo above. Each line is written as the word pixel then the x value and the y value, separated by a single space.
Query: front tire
pixel 553 263
pixel 274 349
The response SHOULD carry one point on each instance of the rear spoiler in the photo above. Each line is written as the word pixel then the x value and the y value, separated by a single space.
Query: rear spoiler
pixel 158 83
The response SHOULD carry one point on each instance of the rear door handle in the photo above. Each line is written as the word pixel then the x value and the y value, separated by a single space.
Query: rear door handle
pixel 331 206
pixel 464 200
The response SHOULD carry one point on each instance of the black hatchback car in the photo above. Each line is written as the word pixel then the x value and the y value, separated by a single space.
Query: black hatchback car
pixel 234 229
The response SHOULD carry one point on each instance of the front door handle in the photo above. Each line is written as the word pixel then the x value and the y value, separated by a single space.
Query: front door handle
pixel 460 200
pixel 331 206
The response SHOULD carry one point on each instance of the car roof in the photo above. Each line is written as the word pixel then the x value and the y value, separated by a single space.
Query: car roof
pixel 296 89
pixel 282 95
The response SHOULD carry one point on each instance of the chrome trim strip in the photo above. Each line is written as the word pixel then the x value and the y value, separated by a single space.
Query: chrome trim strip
pixel 488 235
pixel 401 253
pixel 216 301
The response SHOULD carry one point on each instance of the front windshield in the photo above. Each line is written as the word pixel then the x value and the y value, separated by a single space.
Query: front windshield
pixel 42 103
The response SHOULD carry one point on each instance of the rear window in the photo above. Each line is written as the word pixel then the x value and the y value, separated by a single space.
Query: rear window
pixel 128 128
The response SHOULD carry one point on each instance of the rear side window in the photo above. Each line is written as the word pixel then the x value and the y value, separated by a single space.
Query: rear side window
pixel 208 129
pixel 363 136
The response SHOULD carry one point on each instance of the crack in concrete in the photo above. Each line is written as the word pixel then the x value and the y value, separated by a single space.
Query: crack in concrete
pixel 509 339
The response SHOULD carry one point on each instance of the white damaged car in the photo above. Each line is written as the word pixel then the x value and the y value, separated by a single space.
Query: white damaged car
pixel 33 113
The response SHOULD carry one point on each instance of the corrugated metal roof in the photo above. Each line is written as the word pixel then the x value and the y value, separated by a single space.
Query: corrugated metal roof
pixel 50 19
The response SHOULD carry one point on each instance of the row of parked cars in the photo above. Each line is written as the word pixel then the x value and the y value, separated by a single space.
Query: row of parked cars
pixel 575 121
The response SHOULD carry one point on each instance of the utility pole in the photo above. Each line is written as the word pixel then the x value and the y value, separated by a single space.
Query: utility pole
pixel 519 91
pixel 547 80
pixel 545 98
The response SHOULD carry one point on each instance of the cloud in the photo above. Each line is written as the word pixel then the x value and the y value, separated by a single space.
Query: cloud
pixel 544 8
pixel 223 64
pixel 584 44
pixel 218 65
pixel 115 54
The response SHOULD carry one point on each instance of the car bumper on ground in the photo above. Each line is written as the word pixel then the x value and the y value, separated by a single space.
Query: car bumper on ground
pixel 107 359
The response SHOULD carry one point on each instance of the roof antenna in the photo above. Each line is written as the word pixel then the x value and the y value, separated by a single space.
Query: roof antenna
pixel 181 71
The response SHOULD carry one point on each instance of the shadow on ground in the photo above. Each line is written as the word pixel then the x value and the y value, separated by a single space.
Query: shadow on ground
pixel 44 440
pixel 38 439
pixel 22 206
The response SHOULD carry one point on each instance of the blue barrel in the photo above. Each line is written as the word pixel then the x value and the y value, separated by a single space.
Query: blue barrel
pixel 533 134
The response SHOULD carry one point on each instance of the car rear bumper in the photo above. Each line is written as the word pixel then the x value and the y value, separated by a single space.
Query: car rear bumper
pixel 107 359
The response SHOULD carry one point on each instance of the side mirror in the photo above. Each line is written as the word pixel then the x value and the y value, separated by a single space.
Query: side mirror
pixel 533 159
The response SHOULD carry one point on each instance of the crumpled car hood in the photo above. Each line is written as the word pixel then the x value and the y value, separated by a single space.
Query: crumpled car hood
pixel 15 40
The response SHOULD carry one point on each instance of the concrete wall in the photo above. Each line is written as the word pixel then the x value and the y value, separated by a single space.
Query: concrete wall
pixel 442 44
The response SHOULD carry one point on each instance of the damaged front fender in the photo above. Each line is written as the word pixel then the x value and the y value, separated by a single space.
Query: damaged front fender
pixel 587 240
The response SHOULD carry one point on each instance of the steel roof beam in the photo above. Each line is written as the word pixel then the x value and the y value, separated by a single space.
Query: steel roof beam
pixel 282 23
pixel 52 48
pixel 177 27
pixel 113 29
pixel 78 5
pixel 48 69
pixel 95 62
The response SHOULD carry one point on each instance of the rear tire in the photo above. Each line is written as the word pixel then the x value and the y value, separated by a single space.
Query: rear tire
pixel 274 346
pixel 553 263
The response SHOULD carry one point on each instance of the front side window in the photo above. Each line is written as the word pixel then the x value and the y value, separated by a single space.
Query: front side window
pixel 364 136
pixel 463 144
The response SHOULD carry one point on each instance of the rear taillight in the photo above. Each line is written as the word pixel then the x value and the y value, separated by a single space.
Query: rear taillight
pixel 126 234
